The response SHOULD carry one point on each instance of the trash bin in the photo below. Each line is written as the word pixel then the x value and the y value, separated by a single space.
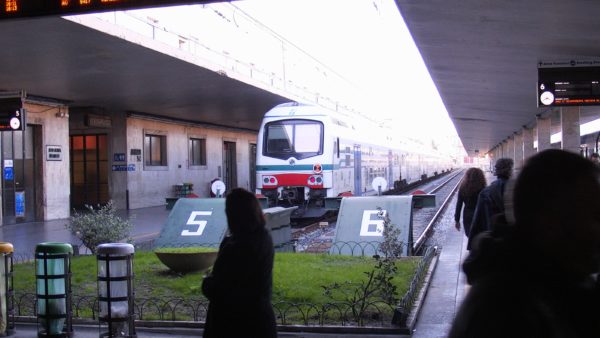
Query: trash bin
pixel 115 290
pixel 53 288
pixel 7 299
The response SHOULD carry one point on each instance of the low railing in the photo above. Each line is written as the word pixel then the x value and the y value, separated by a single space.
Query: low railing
pixel 376 312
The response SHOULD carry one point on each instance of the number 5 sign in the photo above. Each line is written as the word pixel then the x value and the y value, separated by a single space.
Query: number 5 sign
pixel 194 222
pixel 200 223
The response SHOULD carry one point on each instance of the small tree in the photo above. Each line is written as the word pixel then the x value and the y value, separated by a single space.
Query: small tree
pixel 96 226
pixel 378 286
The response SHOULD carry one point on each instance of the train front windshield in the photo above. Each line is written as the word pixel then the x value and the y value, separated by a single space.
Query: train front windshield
pixel 293 138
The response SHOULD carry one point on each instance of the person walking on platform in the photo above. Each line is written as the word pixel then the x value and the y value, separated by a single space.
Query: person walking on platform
pixel 595 158
pixel 535 275
pixel 491 200
pixel 240 285
pixel 470 187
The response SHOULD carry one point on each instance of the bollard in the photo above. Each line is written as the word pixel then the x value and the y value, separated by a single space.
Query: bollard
pixel 53 286
pixel 115 290
pixel 7 299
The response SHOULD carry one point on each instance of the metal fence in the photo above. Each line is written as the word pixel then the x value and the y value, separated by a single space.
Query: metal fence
pixel 375 313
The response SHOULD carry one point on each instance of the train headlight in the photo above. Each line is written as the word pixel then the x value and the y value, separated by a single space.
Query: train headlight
pixel 315 180
pixel 269 181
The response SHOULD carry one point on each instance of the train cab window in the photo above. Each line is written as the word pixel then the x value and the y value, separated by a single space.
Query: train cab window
pixel 293 138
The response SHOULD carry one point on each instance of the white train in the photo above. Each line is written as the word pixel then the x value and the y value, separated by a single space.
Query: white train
pixel 307 153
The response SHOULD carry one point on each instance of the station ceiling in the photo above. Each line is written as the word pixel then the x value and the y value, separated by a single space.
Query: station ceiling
pixel 482 56
pixel 56 58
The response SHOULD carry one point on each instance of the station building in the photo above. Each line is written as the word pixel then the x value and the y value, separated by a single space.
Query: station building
pixel 68 158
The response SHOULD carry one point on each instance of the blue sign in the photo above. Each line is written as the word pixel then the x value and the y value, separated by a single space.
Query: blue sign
pixel 123 167
pixel 119 157
pixel 9 173
pixel 19 203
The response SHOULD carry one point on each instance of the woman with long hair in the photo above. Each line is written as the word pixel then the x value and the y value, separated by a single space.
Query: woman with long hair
pixel 472 183
pixel 239 286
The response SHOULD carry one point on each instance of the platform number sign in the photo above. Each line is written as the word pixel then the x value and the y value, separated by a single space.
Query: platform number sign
pixel 192 220
pixel 12 114
pixel 372 223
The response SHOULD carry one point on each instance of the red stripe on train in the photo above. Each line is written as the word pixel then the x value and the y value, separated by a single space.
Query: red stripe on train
pixel 285 180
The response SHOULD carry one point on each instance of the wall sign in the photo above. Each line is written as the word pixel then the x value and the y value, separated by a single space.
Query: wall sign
pixel 123 167
pixel 8 173
pixel 119 157
pixel 53 153
pixel 98 121
pixel 20 203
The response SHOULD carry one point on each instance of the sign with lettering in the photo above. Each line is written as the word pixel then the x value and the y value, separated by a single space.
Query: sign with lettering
pixel 194 222
pixel 123 167
pixel 119 157
pixel 360 223
pixel 53 153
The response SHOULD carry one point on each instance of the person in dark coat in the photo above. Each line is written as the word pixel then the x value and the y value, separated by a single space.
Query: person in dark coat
pixel 240 284
pixel 534 276
pixel 470 187
pixel 491 200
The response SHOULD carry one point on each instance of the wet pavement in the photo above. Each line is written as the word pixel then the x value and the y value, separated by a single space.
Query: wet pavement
pixel 147 223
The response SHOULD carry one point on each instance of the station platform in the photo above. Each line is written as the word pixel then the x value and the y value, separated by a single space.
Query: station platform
pixel 445 293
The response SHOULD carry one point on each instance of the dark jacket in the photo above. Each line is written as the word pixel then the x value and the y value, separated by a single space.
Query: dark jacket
pixel 517 293
pixel 469 202
pixel 239 289
pixel 489 203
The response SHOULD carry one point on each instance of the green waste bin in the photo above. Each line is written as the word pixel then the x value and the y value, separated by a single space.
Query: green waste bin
pixel 53 289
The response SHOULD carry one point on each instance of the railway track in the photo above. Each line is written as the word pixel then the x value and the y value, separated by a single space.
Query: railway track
pixel 318 236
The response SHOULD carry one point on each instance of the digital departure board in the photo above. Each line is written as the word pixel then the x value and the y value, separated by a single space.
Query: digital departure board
pixel 573 83
pixel 29 8
pixel 12 114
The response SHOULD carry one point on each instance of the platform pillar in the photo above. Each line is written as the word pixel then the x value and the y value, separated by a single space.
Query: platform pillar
pixel 543 132
pixel 528 149
pixel 510 148
pixel 518 152
pixel 569 126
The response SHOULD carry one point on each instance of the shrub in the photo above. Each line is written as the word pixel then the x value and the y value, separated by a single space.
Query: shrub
pixel 96 226
pixel 378 286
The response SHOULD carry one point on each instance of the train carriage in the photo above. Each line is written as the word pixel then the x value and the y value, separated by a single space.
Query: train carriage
pixel 306 153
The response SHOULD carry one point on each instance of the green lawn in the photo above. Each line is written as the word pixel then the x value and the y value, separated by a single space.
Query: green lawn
pixel 297 278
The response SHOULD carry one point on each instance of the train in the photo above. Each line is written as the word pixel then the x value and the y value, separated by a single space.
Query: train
pixel 307 153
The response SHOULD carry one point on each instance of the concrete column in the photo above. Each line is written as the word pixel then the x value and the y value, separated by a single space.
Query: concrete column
pixel 569 126
pixel 510 148
pixel 528 149
pixel 543 132
pixel 518 152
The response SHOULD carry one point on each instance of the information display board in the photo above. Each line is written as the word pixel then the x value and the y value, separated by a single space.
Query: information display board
pixel 573 83
pixel 29 8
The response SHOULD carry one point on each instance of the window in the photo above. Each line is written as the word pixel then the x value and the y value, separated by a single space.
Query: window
pixel 197 147
pixel 155 150
pixel 293 138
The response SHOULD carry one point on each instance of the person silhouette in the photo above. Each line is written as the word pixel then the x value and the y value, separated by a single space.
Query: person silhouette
pixel 491 200
pixel 240 284
pixel 468 192
pixel 532 274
